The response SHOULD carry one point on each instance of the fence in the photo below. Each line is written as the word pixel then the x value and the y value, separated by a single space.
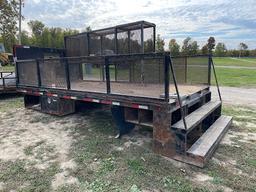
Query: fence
pixel 143 75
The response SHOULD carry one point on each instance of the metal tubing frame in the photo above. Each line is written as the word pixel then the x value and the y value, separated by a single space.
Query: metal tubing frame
pixel 38 72
pixel 215 76
pixel 166 77
pixel 178 95
pixel 107 75
pixel 67 73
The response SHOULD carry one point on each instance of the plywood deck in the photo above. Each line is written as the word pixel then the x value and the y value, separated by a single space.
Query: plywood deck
pixel 134 89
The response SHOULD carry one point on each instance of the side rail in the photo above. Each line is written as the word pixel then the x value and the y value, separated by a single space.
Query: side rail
pixel 7 80
pixel 142 75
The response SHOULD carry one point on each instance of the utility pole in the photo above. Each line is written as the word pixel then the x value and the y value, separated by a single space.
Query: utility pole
pixel 20 2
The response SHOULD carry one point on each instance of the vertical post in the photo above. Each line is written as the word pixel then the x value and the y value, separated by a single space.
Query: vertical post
pixel 107 75
pixel 186 69
pixel 129 41
pixel 166 76
pixel 17 73
pixel 154 39
pixel 38 72
pixel 209 69
pixel 88 43
pixel 116 45
pixel 101 47
pixel 142 37
pixel 67 72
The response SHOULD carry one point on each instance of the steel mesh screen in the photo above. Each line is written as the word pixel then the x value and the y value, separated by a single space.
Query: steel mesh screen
pixel 95 44
pixel 108 44
pixel 122 42
pixel 135 41
pixel 77 46
pixel 148 40
pixel 53 74
pixel 197 70
pixel 27 71
pixel 137 76
pixel 87 74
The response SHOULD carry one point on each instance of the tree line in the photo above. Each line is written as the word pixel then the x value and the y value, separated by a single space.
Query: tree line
pixel 191 47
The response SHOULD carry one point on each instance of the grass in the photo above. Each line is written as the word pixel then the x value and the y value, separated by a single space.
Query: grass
pixel 236 77
pixel 101 167
pixel 229 61
pixel 7 68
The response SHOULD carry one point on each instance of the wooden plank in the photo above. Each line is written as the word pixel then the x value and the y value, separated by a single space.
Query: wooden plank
pixel 193 119
pixel 205 145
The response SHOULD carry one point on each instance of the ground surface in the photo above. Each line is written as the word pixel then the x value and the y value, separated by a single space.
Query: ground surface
pixel 39 152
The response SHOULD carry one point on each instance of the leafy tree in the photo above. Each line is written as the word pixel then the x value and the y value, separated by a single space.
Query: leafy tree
pixel 8 22
pixel 174 47
pixel 204 50
pixel 242 49
pixel 211 44
pixel 189 47
pixel 159 44
pixel 220 50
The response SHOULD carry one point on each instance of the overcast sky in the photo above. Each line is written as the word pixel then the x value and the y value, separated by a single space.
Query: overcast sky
pixel 229 21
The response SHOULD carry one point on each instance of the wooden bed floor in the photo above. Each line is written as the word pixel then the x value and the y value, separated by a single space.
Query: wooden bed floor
pixel 133 89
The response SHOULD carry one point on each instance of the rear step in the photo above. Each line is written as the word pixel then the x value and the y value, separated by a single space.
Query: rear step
pixel 203 148
pixel 196 117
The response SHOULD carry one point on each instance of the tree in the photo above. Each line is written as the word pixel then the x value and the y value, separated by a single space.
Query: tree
pixel 205 50
pixel 189 47
pixel 211 44
pixel 174 47
pixel 8 22
pixel 220 50
pixel 242 49
pixel 159 44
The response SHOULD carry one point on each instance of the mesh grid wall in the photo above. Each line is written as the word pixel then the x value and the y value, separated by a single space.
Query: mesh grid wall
pixel 122 42
pixel 148 40
pixel 138 77
pixel 108 44
pixel 135 41
pixel 27 73
pixel 53 74
pixel 87 74
pixel 95 45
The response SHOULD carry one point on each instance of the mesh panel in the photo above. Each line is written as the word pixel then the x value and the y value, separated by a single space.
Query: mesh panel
pixel 197 70
pixel 122 43
pixel 77 46
pixel 87 74
pixel 95 44
pixel 53 74
pixel 27 73
pixel 137 77
pixel 135 41
pixel 148 40
pixel 108 44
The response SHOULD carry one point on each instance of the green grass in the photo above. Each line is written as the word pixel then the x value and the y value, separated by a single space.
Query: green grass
pixel 7 103
pixel 229 61
pixel 236 77
pixel 7 68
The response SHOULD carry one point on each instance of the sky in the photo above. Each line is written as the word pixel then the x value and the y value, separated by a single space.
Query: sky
pixel 229 21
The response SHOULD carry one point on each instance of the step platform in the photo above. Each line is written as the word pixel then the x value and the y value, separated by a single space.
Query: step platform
pixel 196 117
pixel 203 148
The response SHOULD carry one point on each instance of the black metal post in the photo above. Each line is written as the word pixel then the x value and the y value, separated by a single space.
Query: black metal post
pixel 38 72
pixel 186 69
pixel 101 47
pixel 142 37
pixel 166 77
pixel 209 69
pixel 17 73
pixel 129 42
pixel 116 45
pixel 67 72
pixel 88 43
pixel 154 39
pixel 107 75
pixel 215 76
pixel 178 95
